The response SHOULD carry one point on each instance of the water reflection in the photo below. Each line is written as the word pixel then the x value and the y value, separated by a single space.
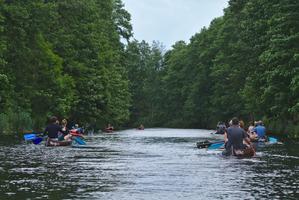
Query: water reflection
pixel 149 164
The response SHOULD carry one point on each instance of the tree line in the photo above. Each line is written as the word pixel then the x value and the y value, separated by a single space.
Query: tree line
pixel 78 60
pixel 244 64
pixel 63 58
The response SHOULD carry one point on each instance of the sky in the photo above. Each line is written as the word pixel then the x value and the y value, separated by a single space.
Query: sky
pixel 169 21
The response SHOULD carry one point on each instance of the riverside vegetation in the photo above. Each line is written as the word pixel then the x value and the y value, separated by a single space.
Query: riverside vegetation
pixel 79 60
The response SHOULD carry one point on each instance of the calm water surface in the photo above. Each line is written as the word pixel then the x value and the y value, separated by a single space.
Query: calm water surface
pixel 150 164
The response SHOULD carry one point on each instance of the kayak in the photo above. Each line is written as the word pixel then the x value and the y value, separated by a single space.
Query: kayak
pixel 55 143
pixel 77 139
pixel 108 130
pixel 84 146
pixel 220 144
pixel 248 152
pixel 263 143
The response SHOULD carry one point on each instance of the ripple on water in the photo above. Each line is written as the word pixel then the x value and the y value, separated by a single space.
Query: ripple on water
pixel 149 164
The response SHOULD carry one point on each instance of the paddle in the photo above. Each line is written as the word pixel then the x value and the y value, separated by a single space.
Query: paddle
pixel 30 136
pixel 79 141
pixel 210 145
pixel 33 137
pixel 37 140
pixel 216 145
pixel 272 140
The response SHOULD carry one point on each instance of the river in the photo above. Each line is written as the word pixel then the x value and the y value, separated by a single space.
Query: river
pixel 151 164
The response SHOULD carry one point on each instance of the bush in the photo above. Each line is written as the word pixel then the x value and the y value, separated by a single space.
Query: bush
pixel 4 123
pixel 15 122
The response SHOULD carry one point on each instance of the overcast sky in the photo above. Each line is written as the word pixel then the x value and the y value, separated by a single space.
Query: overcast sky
pixel 169 21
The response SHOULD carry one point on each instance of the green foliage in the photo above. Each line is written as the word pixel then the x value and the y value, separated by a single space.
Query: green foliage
pixel 15 121
pixel 66 58
pixel 244 64
pixel 122 20
pixel 63 58
pixel 144 64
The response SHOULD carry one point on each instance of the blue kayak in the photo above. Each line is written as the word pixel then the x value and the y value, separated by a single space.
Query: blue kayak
pixel 212 145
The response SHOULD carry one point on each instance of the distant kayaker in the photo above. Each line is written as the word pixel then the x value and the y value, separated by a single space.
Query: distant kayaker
pixel 53 128
pixel 141 127
pixel 234 138
pixel 221 128
pixel 260 130
pixel 109 128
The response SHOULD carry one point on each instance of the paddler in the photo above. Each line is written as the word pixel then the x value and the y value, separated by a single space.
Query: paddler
pixel 65 131
pixel 260 130
pixel 234 138
pixel 53 129
pixel 221 128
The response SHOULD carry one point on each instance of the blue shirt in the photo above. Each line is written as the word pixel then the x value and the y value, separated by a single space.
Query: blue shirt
pixel 235 136
pixel 260 131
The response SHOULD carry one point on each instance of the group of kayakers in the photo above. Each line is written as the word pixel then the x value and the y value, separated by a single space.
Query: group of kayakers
pixel 237 140
pixel 61 131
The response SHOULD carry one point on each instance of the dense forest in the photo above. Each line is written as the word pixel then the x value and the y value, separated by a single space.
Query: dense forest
pixel 63 58
pixel 79 60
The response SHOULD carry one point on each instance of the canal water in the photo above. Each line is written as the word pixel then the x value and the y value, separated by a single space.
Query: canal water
pixel 150 164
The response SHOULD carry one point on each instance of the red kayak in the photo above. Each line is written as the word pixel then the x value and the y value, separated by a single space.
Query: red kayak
pixel 108 130
pixel 74 132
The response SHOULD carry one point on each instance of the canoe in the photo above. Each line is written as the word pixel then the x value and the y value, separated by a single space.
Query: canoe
pixel 108 130
pixel 263 143
pixel 84 146
pixel 245 153
pixel 55 143
pixel 220 144
pixel 77 134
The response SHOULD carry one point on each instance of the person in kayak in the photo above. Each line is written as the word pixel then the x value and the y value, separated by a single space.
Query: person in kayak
pixel 53 128
pixel 221 128
pixel 251 127
pixel 141 127
pixel 234 138
pixel 242 124
pixel 65 131
pixel 252 135
pixel 78 129
pixel 109 128
pixel 260 130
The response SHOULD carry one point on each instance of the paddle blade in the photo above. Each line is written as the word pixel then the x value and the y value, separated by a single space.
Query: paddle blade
pixel 37 140
pixel 29 136
pixel 79 141
pixel 203 144
pixel 217 145
pixel 272 140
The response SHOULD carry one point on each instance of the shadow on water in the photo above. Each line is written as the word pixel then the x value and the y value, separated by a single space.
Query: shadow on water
pixel 150 164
